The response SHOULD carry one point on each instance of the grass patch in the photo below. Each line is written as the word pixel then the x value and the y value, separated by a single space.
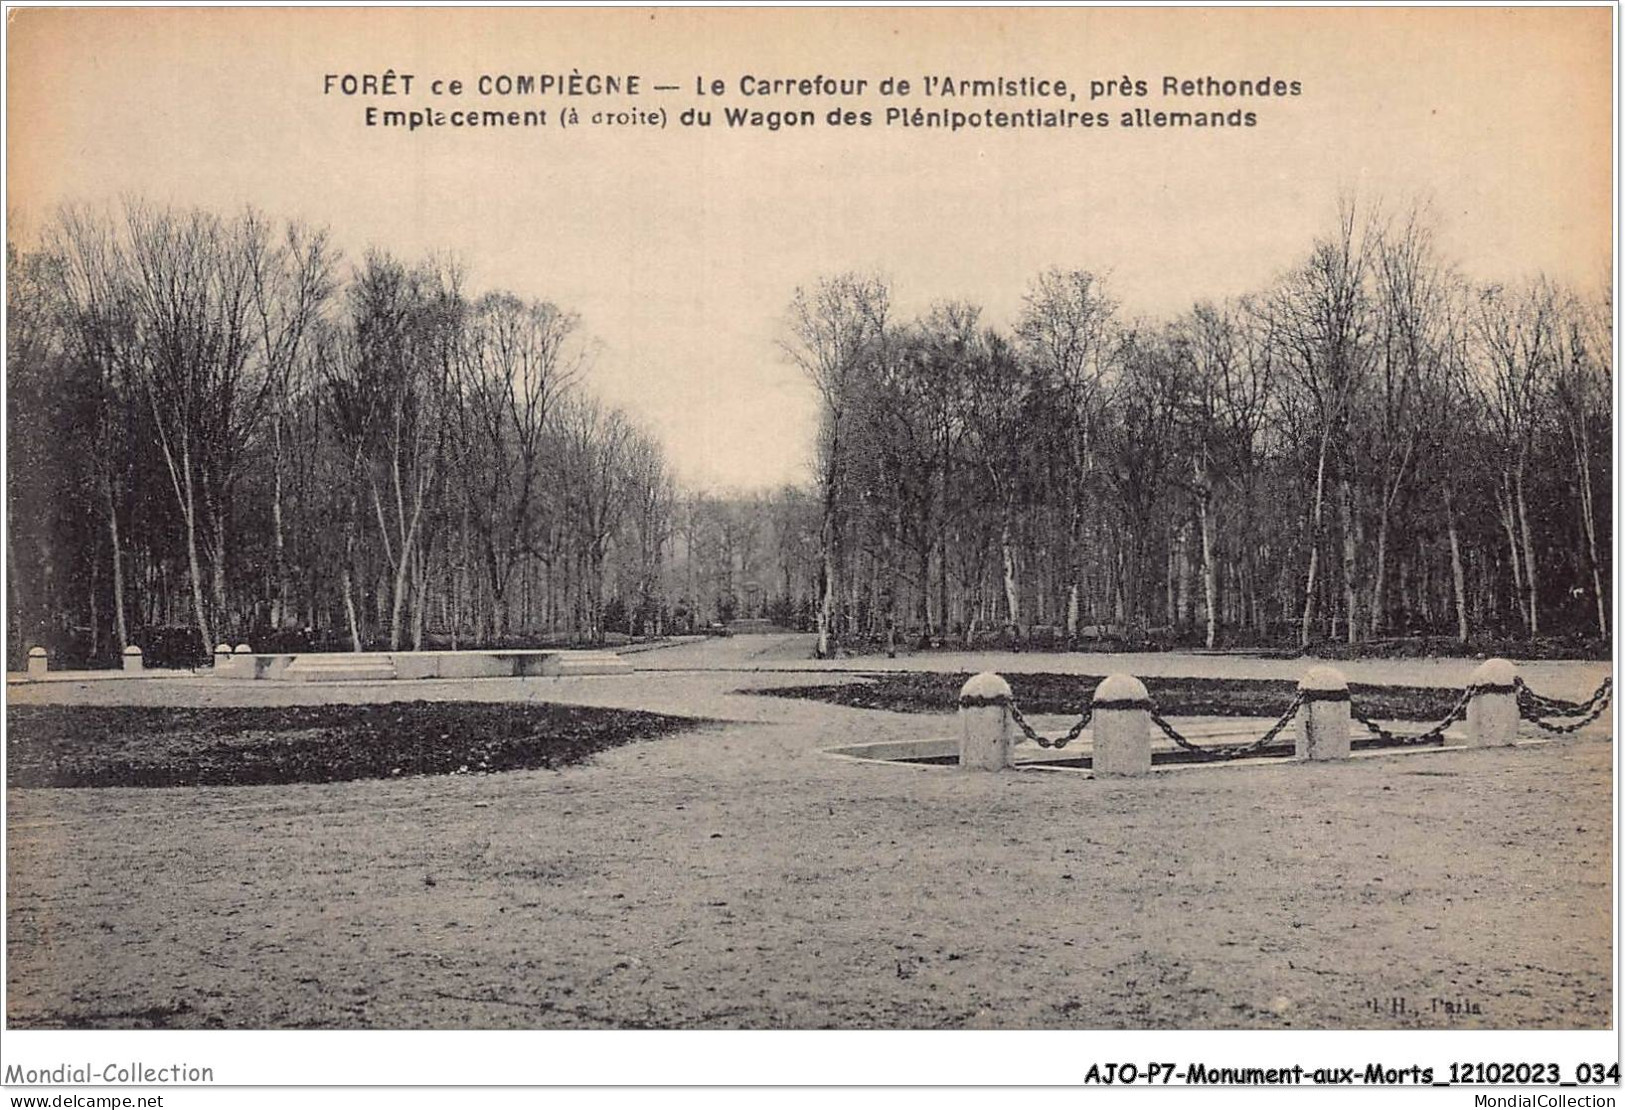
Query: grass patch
pixel 68 745
pixel 911 692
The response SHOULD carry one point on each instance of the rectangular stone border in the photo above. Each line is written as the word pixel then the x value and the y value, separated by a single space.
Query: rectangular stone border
pixel 950 748
pixel 420 666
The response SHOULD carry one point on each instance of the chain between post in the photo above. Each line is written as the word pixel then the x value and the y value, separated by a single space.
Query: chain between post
pixel 1043 741
pixel 1436 732
pixel 1238 752
pixel 1532 707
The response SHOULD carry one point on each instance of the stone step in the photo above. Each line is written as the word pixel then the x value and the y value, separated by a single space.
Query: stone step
pixel 382 666
pixel 361 667
pixel 587 662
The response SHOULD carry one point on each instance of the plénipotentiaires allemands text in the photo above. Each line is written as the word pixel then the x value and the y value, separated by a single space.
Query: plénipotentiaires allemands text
pixel 774 103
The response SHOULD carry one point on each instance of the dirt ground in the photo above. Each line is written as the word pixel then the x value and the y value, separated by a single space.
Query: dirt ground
pixel 738 876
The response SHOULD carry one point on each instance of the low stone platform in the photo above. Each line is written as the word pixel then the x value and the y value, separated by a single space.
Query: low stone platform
pixel 382 666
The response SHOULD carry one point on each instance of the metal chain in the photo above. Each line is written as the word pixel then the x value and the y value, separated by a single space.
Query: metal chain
pixel 1557 707
pixel 1564 730
pixel 1532 708
pixel 1373 727
pixel 1043 741
pixel 1457 712
pixel 1239 752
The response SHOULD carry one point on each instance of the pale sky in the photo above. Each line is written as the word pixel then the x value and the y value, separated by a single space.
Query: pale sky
pixel 681 248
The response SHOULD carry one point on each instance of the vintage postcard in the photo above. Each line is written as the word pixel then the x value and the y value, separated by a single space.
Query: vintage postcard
pixel 1094 522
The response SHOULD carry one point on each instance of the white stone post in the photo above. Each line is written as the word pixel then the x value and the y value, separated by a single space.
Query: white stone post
pixel 38 661
pixel 222 659
pixel 242 649
pixel 1492 715
pixel 1121 726
pixel 133 660
pixel 1323 720
pixel 984 723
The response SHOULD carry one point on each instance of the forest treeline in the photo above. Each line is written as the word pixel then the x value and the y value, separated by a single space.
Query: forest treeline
pixel 222 430
pixel 1371 446
pixel 218 425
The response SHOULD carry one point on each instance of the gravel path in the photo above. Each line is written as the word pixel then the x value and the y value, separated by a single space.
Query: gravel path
pixel 740 877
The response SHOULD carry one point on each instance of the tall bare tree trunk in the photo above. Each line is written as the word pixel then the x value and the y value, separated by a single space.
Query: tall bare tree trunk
pixel 889 576
pixel 1379 601
pixel 829 540
pixel 1596 570
pixel 1184 615
pixel 1074 566
pixel 347 580
pixel 1210 573
pixel 1314 546
pixel 1007 549
pixel 1380 572
pixel 1345 495
pixel 218 569
pixel 93 588
pixel 826 603
pixel 280 605
pixel 1580 438
pixel 1588 522
pixel 1457 577
pixel 347 588
pixel 420 602
pixel 1170 578
pixel 119 625
pixel 1509 524
pixel 194 564
pixel 397 602
pixel 1528 558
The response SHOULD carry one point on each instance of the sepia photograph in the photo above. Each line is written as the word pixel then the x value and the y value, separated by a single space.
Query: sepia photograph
pixel 810 519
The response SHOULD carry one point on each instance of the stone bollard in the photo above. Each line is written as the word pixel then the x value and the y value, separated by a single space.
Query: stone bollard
pixel 1121 726
pixel 222 659
pixel 242 649
pixel 133 660
pixel 984 723
pixel 1492 715
pixel 1323 730
pixel 38 661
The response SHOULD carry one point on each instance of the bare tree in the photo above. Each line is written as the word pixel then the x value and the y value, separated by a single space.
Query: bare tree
pixel 514 365
pixel 1321 316
pixel 1517 334
pixel 1452 431
pixel 1065 330
pixel 293 278
pixel 1411 346
pixel 652 496
pixel 834 331
pixel 387 387
pixel 1228 394
pixel 95 308
pixel 190 288
pixel 597 444
pixel 1582 391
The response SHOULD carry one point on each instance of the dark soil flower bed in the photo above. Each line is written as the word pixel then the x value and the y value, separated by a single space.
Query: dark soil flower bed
pixel 64 745
pixel 1389 647
pixel 1174 697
